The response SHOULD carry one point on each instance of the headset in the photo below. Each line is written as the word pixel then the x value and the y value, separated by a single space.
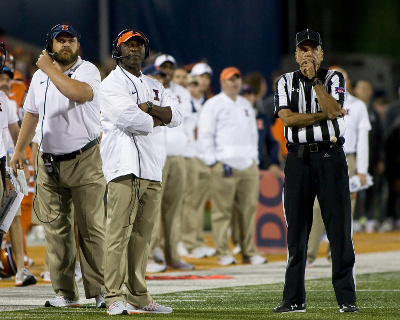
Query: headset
pixel 116 49
pixel 49 38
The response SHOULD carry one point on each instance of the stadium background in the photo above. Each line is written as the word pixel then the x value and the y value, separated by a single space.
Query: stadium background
pixel 252 35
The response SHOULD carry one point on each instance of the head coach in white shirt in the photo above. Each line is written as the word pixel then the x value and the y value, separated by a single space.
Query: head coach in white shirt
pixel 133 107
pixel 62 103
pixel 228 144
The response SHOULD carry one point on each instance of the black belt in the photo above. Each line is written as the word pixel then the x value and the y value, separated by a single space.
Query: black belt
pixel 318 146
pixel 72 155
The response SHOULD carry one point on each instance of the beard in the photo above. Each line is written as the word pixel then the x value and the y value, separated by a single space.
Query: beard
pixel 66 57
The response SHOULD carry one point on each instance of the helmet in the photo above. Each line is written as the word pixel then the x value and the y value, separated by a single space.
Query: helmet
pixel 8 267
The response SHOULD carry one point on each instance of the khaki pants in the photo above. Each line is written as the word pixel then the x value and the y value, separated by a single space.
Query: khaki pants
pixel 170 212
pixel 81 183
pixel 239 191
pixel 129 225
pixel 196 194
pixel 318 226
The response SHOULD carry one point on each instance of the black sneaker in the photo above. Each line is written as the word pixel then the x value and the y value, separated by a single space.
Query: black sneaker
pixel 348 307
pixel 290 307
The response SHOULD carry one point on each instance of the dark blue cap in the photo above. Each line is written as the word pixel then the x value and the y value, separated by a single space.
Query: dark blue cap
pixel 152 70
pixel 60 28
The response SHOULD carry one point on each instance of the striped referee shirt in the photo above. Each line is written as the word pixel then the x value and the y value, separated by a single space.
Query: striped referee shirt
pixel 295 92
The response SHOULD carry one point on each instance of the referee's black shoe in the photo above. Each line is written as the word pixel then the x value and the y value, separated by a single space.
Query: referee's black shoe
pixel 348 307
pixel 290 307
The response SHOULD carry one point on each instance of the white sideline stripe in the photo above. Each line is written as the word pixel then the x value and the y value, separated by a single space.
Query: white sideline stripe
pixel 243 275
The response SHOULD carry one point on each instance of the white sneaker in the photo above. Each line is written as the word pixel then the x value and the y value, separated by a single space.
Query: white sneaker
pixel 182 251
pixel 357 228
pixel 255 260
pixel 237 249
pixel 209 251
pixel 153 267
pixel 387 225
pixel 24 278
pixel 371 226
pixel 226 260
pixel 158 255
pixel 100 302
pixel 78 271
pixel 152 307
pixel 197 253
pixel 46 276
pixel 117 307
pixel 60 301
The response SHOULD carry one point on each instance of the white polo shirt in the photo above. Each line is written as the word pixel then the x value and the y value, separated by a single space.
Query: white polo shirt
pixel 64 125
pixel 130 144
pixel 357 128
pixel 227 132
pixel 178 139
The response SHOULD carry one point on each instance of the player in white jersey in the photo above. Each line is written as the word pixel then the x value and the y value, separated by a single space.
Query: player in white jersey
pixel 174 172
pixel 134 107
pixel 63 100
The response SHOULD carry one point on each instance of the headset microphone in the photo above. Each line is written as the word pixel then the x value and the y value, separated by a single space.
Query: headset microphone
pixel 122 57
pixel 52 55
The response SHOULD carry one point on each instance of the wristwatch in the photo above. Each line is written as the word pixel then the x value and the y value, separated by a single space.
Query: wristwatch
pixel 8 176
pixel 150 105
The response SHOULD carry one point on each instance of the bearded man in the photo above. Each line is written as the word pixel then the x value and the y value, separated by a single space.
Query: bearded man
pixel 62 103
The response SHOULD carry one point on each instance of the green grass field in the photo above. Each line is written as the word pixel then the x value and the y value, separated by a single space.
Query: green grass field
pixel 378 297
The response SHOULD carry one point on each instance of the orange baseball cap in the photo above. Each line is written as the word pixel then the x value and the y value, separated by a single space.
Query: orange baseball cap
pixel 229 72
pixel 129 34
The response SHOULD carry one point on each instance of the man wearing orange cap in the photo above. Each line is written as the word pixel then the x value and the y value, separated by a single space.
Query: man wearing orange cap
pixel 228 144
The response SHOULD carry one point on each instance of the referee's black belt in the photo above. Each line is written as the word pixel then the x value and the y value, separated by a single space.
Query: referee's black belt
pixel 312 147
pixel 72 155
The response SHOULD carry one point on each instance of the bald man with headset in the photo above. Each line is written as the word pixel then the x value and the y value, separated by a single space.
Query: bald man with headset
pixel 62 103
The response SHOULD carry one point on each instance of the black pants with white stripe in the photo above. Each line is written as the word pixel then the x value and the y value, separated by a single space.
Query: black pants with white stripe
pixel 323 174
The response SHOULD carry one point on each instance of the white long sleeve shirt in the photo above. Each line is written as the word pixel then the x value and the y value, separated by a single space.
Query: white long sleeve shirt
pixel 227 132
pixel 130 144
pixel 357 128
pixel 177 139
pixel 67 125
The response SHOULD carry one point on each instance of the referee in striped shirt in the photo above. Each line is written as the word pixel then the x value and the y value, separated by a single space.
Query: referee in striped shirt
pixel 309 102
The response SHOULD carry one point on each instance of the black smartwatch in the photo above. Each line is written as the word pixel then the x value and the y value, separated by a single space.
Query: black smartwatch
pixel 8 176
pixel 150 105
